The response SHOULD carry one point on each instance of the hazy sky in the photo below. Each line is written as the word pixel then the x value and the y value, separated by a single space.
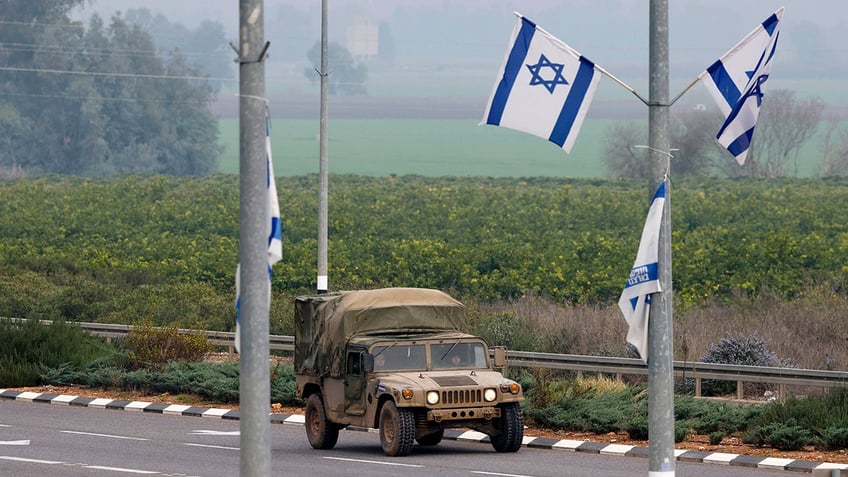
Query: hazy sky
pixel 603 30
pixel 457 34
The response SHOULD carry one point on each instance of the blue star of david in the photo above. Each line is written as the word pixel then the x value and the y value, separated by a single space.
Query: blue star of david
pixel 757 90
pixel 549 84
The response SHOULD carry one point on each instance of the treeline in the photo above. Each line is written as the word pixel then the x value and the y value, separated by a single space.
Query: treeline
pixel 98 99
pixel 163 250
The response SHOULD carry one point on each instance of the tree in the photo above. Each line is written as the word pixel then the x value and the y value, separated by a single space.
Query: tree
pixel 690 135
pixel 100 101
pixel 205 47
pixel 345 78
pixel 834 148
pixel 784 126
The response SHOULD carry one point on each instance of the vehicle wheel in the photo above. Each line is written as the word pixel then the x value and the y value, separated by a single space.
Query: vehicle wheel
pixel 431 439
pixel 322 434
pixel 397 430
pixel 511 425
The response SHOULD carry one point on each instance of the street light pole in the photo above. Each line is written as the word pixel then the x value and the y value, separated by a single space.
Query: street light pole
pixel 661 460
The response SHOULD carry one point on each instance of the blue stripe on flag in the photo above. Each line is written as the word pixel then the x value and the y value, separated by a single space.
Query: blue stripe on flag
pixel 579 87
pixel 724 83
pixel 511 71
pixel 770 24
pixel 741 143
pixel 642 274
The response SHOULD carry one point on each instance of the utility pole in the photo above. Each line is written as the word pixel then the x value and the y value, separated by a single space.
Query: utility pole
pixel 254 372
pixel 661 460
pixel 322 285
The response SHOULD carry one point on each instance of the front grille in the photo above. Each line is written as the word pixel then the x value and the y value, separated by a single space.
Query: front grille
pixel 457 380
pixel 462 396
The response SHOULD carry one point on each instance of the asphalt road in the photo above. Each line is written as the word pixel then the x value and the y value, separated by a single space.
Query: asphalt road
pixel 38 439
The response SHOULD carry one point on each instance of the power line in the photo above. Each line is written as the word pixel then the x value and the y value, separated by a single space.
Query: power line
pixel 117 75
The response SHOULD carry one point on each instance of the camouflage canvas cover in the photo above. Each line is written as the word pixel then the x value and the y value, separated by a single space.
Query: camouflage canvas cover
pixel 325 323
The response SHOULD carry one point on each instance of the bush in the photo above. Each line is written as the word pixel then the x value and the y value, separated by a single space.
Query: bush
pixel 213 381
pixel 779 435
pixel 150 346
pixel 29 348
pixel 835 438
pixel 716 437
pixel 739 349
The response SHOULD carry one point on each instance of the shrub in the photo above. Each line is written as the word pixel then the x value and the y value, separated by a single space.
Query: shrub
pixel 28 348
pixel 739 349
pixel 151 346
pixel 779 435
pixel 835 438
pixel 716 437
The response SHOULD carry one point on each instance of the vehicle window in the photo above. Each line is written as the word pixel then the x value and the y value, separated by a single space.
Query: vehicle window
pixel 354 362
pixel 399 357
pixel 458 355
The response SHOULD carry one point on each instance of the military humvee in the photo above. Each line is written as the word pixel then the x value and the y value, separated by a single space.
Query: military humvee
pixel 398 360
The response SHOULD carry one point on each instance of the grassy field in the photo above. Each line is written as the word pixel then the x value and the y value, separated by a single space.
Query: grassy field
pixel 435 148
pixel 423 147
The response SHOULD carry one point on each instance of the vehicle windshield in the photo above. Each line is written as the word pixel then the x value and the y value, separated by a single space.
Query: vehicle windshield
pixel 399 357
pixel 458 355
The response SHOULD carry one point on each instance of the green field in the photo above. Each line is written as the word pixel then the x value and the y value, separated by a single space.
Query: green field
pixel 436 148
pixel 424 147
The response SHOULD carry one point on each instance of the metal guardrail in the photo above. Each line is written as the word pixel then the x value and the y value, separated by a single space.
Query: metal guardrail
pixel 685 369
pixel 569 362
pixel 216 338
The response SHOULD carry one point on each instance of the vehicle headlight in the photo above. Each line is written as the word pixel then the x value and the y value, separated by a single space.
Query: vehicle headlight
pixel 490 394
pixel 432 397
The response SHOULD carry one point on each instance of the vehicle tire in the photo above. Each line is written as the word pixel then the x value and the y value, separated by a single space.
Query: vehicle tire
pixel 322 434
pixel 431 439
pixel 397 430
pixel 511 425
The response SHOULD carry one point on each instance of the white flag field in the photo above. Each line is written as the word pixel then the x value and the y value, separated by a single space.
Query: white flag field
pixel 635 301
pixel 544 86
pixel 736 83
pixel 273 232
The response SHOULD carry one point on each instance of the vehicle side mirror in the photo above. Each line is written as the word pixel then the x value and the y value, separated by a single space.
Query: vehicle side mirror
pixel 500 356
pixel 367 363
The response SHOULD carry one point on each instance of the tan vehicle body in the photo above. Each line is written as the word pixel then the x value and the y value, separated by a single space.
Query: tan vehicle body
pixel 398 360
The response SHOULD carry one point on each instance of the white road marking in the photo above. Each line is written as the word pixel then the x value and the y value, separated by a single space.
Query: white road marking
pixel 211 447
pixel 373 462
pixel 15 443
pixel 204 432
pixel 482 472
pixel 106 435
pixel 33 461
pixel 126 471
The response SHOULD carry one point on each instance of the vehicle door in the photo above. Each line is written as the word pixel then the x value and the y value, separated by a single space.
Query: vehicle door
pixel 354 382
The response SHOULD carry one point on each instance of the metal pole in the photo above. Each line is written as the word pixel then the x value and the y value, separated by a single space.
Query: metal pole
pixel 660 342
pixel 254 371
pixel 322 284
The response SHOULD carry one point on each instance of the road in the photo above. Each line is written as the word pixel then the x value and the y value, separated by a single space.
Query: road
pixel 38 439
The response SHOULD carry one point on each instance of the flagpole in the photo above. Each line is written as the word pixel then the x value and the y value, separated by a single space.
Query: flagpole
pixel 661 459
pixel 321 282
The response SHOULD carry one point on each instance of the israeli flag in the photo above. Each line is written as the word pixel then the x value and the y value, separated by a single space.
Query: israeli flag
pixel 274 231
pixel 644 280
pixel 544 86
pixel 736 83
